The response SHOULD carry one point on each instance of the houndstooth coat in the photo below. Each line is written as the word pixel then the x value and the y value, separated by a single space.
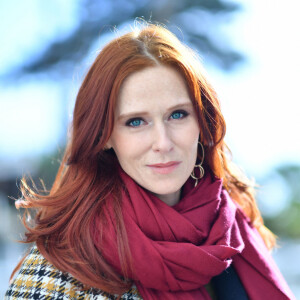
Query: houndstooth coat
pixel 38 279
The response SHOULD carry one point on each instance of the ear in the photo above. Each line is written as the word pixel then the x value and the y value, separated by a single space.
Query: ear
pixel 108 145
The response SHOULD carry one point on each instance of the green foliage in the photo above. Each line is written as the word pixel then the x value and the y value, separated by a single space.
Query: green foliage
pixel 47 169
pixel 287 222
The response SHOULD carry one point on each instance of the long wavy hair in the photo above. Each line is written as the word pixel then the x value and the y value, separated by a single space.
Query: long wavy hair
pixel 87 174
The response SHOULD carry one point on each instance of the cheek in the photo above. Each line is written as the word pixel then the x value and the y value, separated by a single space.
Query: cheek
pixel 129 148
pixel 192 142
pixel 191 137
pixel 193 151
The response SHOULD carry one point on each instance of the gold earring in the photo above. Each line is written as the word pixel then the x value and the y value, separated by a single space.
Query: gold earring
pixel 201 170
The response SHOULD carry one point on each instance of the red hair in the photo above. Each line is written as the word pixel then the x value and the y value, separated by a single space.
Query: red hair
pixel 65 216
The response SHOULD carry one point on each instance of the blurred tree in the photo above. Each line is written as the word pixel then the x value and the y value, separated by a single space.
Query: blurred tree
pixel 287 222
pixel 48 168
pixel 43 176
pixel 8 187
pixel 198 20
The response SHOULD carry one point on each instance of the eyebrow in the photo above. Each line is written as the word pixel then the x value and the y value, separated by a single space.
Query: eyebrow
pixel 141 113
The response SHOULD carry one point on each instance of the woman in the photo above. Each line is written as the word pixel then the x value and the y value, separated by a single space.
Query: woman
pixel 146 204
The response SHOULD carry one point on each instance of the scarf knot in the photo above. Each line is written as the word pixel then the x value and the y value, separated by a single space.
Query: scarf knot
pixel 177 250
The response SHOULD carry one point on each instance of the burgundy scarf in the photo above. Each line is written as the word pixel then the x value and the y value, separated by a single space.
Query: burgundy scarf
pixel 177 250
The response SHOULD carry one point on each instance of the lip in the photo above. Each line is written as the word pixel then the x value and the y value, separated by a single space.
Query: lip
pixel 165 168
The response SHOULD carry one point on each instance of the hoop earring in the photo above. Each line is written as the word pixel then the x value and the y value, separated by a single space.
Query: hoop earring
pixel 201 170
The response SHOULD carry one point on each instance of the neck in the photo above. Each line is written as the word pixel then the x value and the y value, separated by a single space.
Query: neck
pixel 170 199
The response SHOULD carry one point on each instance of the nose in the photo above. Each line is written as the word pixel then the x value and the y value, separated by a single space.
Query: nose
pixel 162 141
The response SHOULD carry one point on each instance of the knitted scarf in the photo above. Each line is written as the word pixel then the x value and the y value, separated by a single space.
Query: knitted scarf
pixel 177 250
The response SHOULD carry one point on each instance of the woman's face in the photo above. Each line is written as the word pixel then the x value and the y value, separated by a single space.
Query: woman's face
pixel 155 134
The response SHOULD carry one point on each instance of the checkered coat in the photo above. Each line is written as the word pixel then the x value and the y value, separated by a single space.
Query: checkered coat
pixel 38 279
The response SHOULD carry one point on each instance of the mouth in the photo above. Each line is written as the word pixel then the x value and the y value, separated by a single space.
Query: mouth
pixel 165 168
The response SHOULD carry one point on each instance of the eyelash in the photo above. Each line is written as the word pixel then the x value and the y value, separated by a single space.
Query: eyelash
pixel 183 113
pixel 128 123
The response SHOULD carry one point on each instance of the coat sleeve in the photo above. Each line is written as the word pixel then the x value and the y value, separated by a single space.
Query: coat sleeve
pixel 38 279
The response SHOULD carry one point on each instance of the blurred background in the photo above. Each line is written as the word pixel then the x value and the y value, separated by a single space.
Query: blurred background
pixel 249 48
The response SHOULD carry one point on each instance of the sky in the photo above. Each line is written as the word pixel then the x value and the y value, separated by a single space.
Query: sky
pixel 260 99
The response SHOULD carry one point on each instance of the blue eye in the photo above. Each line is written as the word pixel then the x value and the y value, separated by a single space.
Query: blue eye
pixel 179 115
pixel 134 122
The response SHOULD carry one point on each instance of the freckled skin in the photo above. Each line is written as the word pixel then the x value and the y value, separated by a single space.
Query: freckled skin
pixel 150 129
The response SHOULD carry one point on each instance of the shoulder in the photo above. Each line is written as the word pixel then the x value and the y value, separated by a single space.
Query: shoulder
pixel 38 279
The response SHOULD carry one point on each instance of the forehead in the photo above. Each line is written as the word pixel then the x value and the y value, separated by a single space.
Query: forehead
pixel 152 87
